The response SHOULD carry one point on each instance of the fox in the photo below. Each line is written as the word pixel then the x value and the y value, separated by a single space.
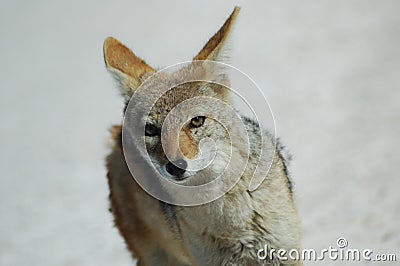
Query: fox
pixel 229 230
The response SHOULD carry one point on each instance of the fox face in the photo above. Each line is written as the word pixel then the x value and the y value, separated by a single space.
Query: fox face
pixel 183 137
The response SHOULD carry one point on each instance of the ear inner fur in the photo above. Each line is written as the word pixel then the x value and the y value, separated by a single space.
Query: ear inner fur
pixel 215 43
pixel 117 56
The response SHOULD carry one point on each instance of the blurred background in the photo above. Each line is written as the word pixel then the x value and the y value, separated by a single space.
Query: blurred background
pixel 330 70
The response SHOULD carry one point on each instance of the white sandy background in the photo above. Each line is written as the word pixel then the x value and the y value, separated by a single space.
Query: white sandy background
pixel 330 70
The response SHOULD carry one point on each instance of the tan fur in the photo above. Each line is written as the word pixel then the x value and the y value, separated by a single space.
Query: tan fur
pixel 215 43
pixel 119 57
pixel 139 218
pixel 188 147
pixel 227 231
pixel 129 69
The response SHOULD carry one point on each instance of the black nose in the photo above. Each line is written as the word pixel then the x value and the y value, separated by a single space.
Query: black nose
pixel 177 168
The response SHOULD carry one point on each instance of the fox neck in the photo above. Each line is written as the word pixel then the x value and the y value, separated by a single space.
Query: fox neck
pixel 211 218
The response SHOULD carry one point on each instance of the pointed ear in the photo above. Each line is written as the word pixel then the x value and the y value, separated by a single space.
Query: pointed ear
pixel 216 48
pixel 126 67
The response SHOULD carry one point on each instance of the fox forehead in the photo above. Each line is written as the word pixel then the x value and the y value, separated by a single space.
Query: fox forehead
pixel 172 98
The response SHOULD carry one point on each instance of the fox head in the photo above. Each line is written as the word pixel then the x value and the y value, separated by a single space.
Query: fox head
pixel 182 138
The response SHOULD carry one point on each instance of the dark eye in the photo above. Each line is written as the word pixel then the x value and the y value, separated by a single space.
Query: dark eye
pixel 151 130
pixel 197 121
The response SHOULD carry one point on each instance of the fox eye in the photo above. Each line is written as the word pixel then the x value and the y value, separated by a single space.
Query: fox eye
pixel 197 121
pixel 151 130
